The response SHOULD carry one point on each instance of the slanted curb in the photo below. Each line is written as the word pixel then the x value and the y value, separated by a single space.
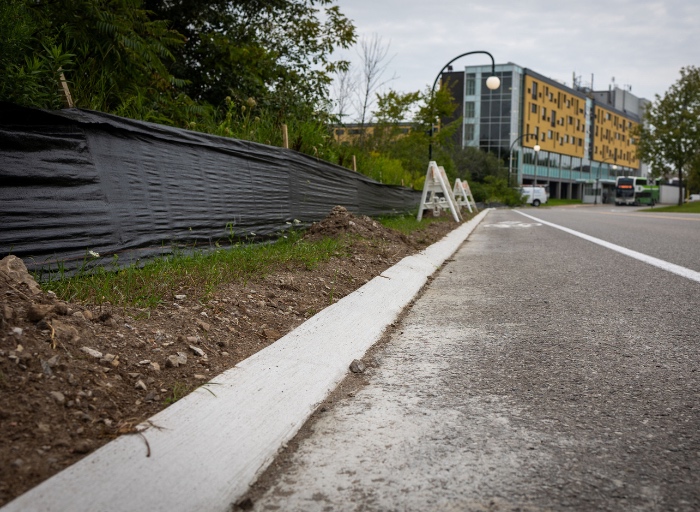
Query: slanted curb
pixel 207 448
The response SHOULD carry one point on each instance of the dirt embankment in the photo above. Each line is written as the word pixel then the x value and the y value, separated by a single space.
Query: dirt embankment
pixel 74 376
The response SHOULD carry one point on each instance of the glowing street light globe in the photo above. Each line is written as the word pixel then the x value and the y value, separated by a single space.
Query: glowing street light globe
pixel 493 82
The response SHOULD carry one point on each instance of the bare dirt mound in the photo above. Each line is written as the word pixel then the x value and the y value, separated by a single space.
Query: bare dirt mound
pixel 341 222
pixel 74 376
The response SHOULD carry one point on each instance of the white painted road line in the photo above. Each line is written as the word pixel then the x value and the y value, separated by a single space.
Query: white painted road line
pixel 207 448
pixel 665 265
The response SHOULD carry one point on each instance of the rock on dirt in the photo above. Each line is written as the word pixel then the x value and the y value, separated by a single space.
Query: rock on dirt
pixel 357 366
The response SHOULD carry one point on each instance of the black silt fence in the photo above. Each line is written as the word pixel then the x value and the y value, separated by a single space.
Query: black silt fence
pixel 74 181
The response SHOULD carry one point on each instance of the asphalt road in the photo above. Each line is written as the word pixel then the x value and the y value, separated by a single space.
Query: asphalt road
pixel 538 371
pixel 673 237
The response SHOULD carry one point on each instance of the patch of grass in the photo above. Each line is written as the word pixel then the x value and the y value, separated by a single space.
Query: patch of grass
pixel 693 207
pixel 202 272
pixel 180 389
pixel 562 202
pixel 408 224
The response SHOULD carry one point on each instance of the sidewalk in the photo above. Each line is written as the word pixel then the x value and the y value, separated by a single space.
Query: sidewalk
pixel 204 451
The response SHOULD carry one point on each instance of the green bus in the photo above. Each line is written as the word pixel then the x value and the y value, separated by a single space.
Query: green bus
pixel 634 190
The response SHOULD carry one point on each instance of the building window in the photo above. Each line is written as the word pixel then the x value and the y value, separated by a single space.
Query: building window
pixel 533 108
pixel 468 132
pixel 544 113
pixel 469 109
pixel 471 84
pixel 554 118
pixel 549 134
pixel 534 90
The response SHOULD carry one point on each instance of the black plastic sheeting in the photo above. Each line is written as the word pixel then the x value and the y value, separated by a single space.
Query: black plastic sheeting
pixel 73 181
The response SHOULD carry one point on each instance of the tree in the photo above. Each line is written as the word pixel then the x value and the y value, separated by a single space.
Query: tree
pixel 30 65
pixel 694 175
pixel 113 56
pixel 276 51
pixel 343 87
pixel 670 133
pixel 474 164
pixel 373 55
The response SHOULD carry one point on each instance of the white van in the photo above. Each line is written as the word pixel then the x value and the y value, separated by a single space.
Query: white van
pixel 534 195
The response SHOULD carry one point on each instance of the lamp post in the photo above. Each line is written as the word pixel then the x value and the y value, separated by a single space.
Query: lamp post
pixel 510 162
pixel 536 149
pixel 492 82
pixel 597 177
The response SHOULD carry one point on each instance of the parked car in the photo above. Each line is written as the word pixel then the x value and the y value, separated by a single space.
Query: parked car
pixel 534 195
pixel 693 197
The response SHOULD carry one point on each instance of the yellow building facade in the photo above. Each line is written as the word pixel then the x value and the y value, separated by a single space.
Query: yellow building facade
pixel 556 115
pixel 611 137
pixel 582 135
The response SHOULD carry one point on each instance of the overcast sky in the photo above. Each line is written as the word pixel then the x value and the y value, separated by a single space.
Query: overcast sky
pixel 641 43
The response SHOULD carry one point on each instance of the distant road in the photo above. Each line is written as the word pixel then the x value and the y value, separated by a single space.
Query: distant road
pixel 538 371
pixel 674 237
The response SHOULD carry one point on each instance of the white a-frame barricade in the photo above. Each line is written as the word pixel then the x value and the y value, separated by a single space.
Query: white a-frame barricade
pixel 436 182
pixel 463 195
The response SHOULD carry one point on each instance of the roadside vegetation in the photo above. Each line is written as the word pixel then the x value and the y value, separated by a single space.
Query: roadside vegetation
pixel 236 69
pixel 562 202
pixel 246 69
pixel 669 138
pixel 692 207
pixel 201 272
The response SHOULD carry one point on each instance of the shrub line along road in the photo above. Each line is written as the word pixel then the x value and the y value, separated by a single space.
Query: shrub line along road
pixel 537 371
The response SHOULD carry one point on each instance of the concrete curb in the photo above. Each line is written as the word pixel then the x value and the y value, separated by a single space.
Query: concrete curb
pixel 207 448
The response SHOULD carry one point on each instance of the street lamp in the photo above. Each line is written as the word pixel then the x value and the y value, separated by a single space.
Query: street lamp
pixel 597 177
pixel 492 82
pixel 510 162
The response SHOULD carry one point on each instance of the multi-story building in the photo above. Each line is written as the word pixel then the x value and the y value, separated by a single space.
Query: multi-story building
pixel 582 137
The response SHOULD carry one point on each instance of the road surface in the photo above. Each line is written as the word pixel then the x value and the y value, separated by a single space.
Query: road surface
pixel 538 371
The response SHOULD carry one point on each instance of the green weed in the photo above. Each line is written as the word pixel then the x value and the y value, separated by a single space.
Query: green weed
pixel 408 224
pixel 180 389
pixel 150 284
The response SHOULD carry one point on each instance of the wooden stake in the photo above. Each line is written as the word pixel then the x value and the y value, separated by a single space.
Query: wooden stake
pixel 354 163
pixel 67 98
pixel 285 137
